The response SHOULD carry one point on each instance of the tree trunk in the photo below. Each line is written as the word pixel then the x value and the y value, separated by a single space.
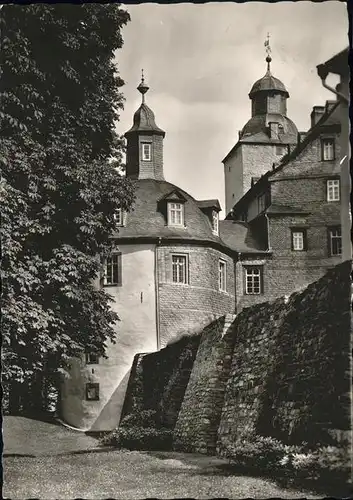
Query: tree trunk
pixel 14 398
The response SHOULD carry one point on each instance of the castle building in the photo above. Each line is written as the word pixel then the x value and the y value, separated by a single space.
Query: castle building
pixel 265 139
pixel 171 273
pixel 176 267
pixel 295 210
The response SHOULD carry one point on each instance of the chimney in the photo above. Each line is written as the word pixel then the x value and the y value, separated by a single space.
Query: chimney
pixel 316 114
pixel 239 134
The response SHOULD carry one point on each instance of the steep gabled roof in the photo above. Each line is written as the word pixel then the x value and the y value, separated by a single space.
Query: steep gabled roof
pixel 174 195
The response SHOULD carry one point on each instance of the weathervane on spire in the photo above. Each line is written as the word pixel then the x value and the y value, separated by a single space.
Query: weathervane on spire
pixel 143 88
pixel 268 51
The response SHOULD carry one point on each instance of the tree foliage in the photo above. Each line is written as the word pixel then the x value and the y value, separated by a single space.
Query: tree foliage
pixel 60 96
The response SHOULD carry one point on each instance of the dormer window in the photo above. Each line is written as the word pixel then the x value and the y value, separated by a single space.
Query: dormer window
pixel 146 151
pixel 215 222
pixel 328 149
pixel 175 214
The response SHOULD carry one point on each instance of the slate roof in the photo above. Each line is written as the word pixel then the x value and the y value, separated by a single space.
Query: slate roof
pixel 148 220
pixel 209 204
pixel 256 129
pixel 238 236
pixel 266 83
pixel 144 121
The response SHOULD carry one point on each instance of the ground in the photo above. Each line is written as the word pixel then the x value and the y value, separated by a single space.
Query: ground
pixel 43 460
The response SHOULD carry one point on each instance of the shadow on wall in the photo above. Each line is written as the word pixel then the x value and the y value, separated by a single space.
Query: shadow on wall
pixel 110 415
pixel 191 332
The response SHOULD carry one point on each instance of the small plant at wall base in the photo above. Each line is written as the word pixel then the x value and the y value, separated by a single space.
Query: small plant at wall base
pixel 141 431
pixel 322 464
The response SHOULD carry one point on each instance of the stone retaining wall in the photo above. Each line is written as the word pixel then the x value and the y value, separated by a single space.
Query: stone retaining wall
pixel 278 369
pixel 198 421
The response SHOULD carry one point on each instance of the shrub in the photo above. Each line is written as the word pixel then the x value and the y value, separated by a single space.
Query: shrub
pixel 140 431
pixel 259 451
pixel 144 418
pixel 139 438
pixel 328 464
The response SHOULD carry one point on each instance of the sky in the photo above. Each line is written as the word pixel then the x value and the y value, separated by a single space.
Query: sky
pixel 200 62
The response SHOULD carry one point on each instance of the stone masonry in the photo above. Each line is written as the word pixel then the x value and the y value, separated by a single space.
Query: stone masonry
pixel 197 425
pixel 280 369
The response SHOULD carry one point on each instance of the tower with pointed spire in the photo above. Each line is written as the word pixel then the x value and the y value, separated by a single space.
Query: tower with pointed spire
pixel 265 138
pixel 144 155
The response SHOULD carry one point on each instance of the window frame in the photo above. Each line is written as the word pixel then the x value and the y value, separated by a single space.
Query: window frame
pixel 215 218
pixel 331 237
pixel 181 211
pixel 328 181
pixel 303 231
pixel 186 277
pixel 248 268
pixel 89 360
pixel 119 221
pixel 149 148
pixel 263 199
pixel 332 141
pixel 119 270
pixel 222 268
pixel 92 385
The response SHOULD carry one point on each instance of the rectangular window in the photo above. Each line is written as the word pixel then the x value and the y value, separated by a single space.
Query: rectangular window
pixel 333 190
pixel 146 151
pixel 335 241
pixel 328 149
pixel 175 214
pixel 112 272
pixel 92 359
pixel 179 269
pixel 118 217
pixel 92 392
pixel 222 275
pixel 261 203
pixel 215 222
pixel 298 240
pixel 253 280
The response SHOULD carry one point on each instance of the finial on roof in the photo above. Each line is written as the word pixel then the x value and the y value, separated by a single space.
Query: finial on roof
pixel 268 51
pixel 143 88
